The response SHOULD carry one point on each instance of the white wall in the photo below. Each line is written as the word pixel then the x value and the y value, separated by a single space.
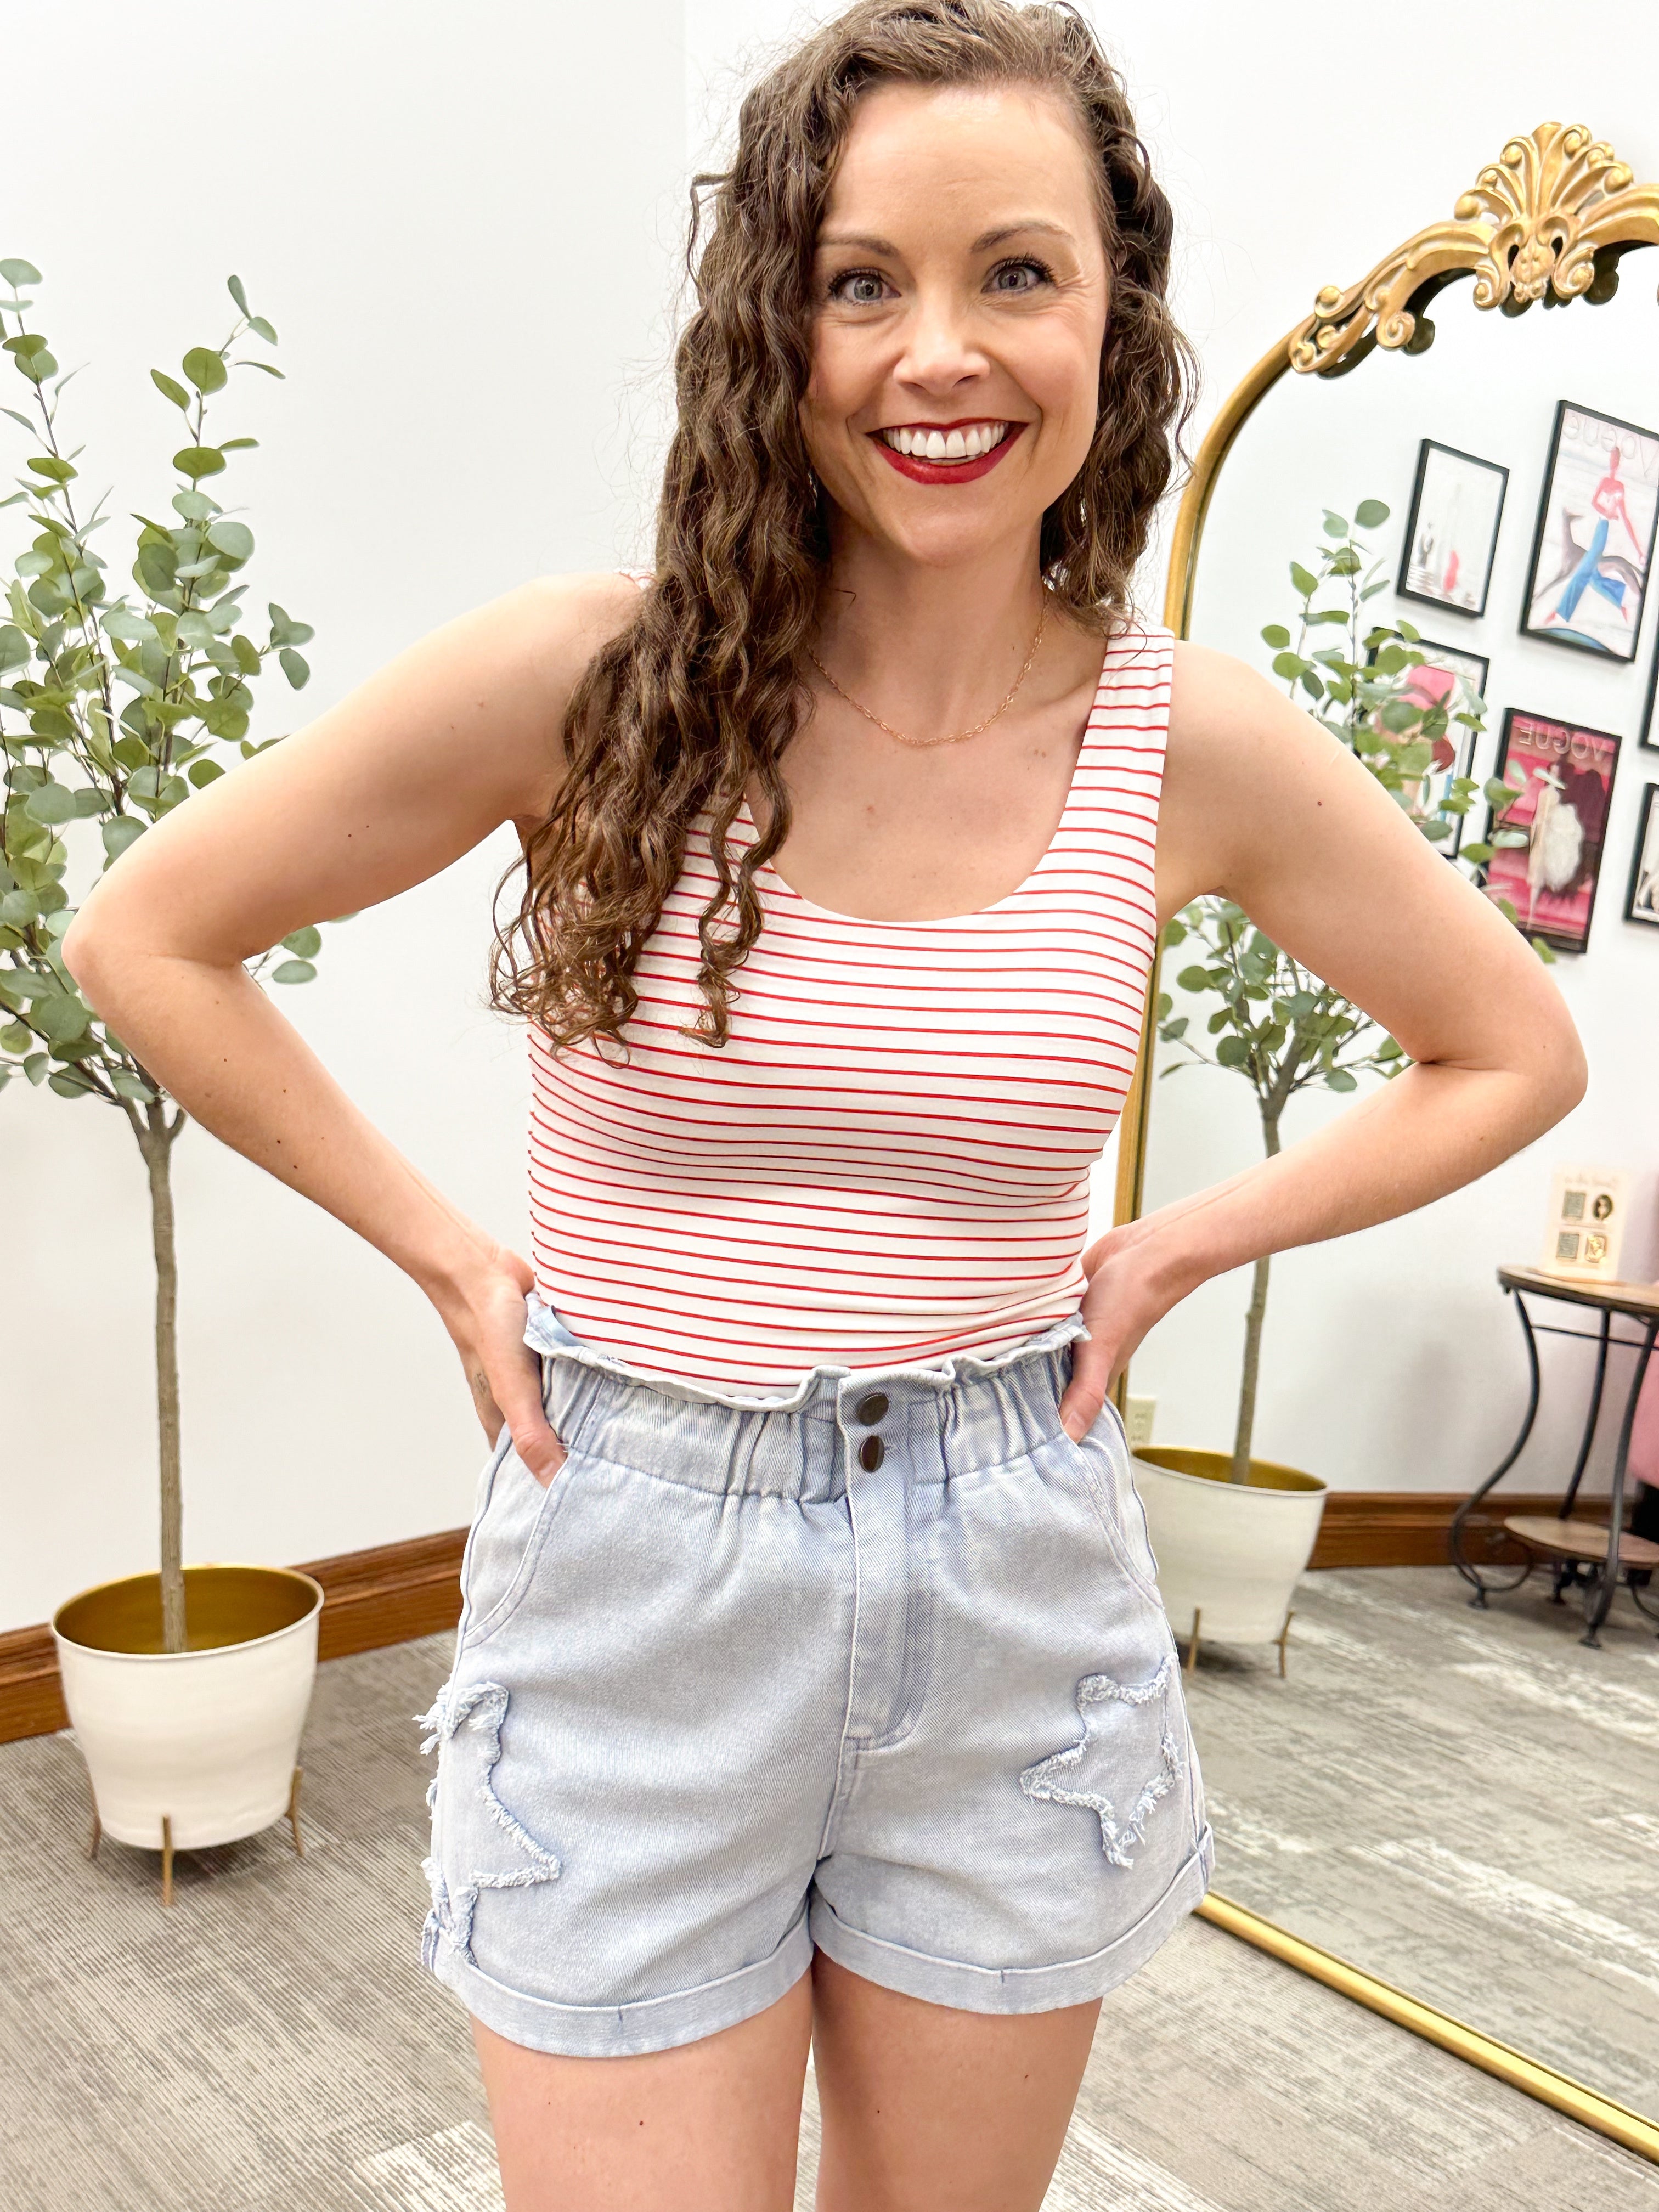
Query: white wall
pixel 462 224
pixel 464 227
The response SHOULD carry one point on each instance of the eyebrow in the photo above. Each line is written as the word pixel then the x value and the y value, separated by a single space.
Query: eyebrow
pixel 860 243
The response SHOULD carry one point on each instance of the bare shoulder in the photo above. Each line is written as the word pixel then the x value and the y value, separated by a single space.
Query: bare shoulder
pixel 568 618
pixel 1218 701
pixel 549 631
pixel 1252 783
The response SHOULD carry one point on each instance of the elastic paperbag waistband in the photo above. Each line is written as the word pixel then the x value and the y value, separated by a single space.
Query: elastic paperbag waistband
pixel 965 1410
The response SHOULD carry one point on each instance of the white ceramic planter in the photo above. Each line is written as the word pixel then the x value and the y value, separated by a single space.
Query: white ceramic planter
pixel 1231 1552
pixel 210 1736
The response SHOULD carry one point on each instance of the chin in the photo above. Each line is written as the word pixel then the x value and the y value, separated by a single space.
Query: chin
pixel 945 540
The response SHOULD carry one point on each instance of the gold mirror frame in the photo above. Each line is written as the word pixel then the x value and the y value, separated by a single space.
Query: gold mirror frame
pixel 1549 221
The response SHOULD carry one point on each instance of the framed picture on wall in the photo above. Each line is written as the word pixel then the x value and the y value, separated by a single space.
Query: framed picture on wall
pixel 1451 533
pixel 1649 733
pixel 1594 537
pixel 1435 683
pixel 1567 775
pixel 1642 899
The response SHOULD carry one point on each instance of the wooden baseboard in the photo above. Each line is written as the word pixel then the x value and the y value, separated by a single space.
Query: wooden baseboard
pixel 1413 1528
pixel 396 1591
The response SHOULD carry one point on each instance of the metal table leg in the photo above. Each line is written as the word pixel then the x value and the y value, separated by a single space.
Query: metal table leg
pixel 1466 1566
pixel 1599 1597
pixel 1564 1511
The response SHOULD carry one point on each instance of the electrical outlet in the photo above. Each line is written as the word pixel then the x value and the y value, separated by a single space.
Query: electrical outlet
pixel 1138 1421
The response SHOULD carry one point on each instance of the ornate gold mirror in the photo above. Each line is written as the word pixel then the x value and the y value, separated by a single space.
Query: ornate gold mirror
pixel 1459 1802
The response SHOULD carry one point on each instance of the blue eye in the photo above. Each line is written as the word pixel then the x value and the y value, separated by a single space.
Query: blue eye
pixel 1034 270
pixel 858 287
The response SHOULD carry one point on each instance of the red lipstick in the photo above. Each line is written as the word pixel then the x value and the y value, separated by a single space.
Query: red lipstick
pixel 946 472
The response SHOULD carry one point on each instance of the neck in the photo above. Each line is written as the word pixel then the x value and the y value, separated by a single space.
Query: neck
pixel 929 648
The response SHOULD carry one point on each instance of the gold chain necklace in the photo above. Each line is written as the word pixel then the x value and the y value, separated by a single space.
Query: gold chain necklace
pixel 961 735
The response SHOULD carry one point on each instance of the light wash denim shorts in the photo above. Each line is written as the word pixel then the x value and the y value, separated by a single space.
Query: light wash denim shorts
pixel 875 1664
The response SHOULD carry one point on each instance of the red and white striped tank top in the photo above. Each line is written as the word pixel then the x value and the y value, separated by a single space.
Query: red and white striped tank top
pixel 889 1160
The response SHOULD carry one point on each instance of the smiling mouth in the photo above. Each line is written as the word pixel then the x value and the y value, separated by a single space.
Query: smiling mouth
pixel 968 442
pixel 946 453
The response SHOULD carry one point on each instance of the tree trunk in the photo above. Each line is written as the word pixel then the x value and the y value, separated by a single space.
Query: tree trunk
pixel 1240 1469
pixel 155 1141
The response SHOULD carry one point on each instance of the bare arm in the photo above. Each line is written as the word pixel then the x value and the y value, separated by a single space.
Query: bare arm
pixel 1261 805
pixel 457 735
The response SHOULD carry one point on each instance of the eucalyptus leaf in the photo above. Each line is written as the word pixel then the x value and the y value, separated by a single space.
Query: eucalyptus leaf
pixel 294 667
pixel 231 538
pixel 1371 514
pixel 307 942
pixel 169 387
pixel 205 368
pixel 197 461
pixel 52 804
pixel 121 830
pixel 290 971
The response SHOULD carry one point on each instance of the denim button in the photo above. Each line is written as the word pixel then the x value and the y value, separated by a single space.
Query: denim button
pixel 873 1407
pixel 872 1452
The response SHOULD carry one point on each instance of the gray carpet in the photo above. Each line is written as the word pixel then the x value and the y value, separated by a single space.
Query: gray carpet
pixel 271 2043
pixel 1466 1804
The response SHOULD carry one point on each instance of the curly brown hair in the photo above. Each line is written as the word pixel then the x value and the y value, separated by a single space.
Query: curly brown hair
pixel 702 689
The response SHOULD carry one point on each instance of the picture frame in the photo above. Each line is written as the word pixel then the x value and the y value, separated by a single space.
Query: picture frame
pixel 1649 736
pixel 1451 528
pixel 1455 752
pixel 1568 772
pixel 1593 546
pixel 1642 898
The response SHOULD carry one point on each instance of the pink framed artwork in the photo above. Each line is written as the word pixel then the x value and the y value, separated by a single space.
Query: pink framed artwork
pixel 1566 773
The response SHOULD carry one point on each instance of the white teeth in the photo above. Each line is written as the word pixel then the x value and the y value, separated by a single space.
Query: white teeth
pixel 969 445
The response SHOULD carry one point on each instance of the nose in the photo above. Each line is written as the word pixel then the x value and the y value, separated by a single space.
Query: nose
pixel 939 354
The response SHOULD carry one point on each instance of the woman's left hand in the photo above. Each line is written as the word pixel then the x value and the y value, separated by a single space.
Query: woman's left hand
pixel 1124 1297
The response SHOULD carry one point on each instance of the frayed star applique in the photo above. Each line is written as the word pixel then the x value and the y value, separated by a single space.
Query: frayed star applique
pixel 482 1707
pixel 1126 1734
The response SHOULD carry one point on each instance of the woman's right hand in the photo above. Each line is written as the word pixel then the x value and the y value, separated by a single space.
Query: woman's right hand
pixel 485 1321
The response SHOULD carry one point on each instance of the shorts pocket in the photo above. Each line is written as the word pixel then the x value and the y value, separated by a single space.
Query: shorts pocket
pixel 505 1543
pixel 1101 1461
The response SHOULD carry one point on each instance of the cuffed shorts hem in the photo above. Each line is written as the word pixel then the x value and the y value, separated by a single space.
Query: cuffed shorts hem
pixel 1015 1989
pixel 626 2031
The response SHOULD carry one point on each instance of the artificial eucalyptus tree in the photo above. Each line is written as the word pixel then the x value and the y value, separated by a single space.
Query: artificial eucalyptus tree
pixel 114 710
pixel 1277 1024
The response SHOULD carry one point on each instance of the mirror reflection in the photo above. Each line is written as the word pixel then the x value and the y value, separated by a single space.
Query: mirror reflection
pixel 1447 1777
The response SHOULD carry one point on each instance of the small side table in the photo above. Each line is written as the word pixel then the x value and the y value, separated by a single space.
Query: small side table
pixel 1581 1551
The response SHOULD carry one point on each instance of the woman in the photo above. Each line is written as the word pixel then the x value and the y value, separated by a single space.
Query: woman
pixel 811 1681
